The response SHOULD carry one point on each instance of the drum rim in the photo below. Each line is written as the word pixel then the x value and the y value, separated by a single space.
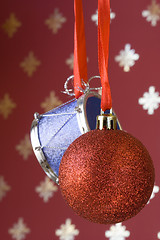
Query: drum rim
pixel 38 150
pixel 81 111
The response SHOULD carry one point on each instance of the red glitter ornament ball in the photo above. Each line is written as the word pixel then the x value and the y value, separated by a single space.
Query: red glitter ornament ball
pixel 106 176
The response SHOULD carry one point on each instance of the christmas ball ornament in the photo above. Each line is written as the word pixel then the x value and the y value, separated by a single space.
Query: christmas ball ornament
pixel 106 176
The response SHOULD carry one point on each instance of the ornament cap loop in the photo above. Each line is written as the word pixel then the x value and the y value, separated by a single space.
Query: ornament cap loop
pixel 107 121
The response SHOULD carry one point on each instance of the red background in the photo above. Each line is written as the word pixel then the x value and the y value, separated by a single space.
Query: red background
pixel 28 93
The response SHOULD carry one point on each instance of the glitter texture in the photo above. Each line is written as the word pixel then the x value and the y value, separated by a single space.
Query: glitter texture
pixel 106 176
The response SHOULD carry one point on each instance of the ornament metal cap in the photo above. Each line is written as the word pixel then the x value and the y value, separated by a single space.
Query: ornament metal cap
pixel 107 121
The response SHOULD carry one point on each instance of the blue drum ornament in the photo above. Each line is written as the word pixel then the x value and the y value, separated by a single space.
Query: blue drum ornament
pixel 54 131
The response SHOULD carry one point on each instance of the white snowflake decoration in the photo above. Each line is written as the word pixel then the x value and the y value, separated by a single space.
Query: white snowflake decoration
pixel 127 58
pixel 19 230
pixel 150 100
pixel 46 189
pixel 158 235
pixel 117 232
pixel 155 190
pixel 94 17
pixel 152 14
pixel 24 147
pixel 4 188
pixel 67 231
pixel 55 21
pixel 70 61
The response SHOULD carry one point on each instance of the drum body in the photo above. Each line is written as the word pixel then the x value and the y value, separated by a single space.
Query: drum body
pixel 54 131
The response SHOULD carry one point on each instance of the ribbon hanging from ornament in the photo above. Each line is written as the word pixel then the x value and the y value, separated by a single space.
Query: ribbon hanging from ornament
pixel 103 51
pixel 80 58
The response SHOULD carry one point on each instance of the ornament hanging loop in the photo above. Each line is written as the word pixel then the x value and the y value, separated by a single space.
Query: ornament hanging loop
pixel 84 89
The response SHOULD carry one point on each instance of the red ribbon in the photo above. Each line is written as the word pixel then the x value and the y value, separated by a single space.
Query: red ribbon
pixel 103 51
pixel 80 57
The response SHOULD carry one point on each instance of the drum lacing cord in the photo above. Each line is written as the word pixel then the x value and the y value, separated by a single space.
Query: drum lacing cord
pixel 56 114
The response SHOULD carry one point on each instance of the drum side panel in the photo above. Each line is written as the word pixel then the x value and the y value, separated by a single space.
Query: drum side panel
pixel 55 149
pixel 57 129
pixel 50 124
